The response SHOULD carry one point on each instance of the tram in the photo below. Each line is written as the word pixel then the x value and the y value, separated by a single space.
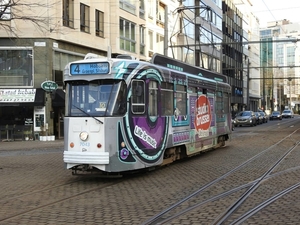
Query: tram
pixel 125 115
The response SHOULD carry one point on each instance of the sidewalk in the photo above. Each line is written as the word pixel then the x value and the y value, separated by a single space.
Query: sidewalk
pixel 25 145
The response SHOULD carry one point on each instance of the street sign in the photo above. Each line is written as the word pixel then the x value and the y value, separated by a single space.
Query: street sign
pixel 49 86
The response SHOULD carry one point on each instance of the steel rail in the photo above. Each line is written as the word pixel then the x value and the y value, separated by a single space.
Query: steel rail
pixel 237 203
pixel 157 216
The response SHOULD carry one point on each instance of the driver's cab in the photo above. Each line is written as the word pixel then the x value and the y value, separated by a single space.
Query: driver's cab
pixel 96 98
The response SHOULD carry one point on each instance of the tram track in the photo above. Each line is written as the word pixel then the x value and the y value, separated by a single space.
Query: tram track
pixel 40 196
pixel 222 195
pixel 10 205
pixel 167 215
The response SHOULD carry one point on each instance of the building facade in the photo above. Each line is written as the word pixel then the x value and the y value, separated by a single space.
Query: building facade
pixel 280 62
pixel 251 50
pixel 36 49
pixel 232 51
pixel 199 37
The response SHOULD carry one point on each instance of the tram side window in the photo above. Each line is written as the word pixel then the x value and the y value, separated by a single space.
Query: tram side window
pixel 153 88
pixel 181 99
pixel 219 102
pixel 226 102
pixel 167 98
pixel 138 96
pixel 192 90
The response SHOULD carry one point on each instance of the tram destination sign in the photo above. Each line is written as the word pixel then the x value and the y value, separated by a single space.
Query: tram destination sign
pixel 96 68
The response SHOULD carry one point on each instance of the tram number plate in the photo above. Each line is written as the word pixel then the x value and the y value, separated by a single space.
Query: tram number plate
pixel 84 144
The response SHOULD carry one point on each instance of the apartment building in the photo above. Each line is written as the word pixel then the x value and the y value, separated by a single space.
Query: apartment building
pixel 251 59
pixel 280 59
pixel 39 39
pixel 232 49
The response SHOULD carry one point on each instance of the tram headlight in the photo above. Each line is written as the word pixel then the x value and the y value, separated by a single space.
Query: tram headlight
pixel 123 144
pixel 84 135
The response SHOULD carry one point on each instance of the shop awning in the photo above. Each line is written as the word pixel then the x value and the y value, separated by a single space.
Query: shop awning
pixel 39 97
pixel 22 97
pixel 59 98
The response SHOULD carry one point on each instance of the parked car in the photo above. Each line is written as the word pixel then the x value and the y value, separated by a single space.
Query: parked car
pixel 245 118
pixel 259 118
pixel 287 113
pixel 265 116
pixel 275 115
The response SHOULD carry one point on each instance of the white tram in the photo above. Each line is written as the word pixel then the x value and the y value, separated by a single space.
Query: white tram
pixel 124 115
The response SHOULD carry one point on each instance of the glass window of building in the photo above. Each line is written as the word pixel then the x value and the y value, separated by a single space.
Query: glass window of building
pixel 5 10
pixel 142 40
pixel 127 5
pixel 68 13
pixel 127 35
pixel 84 18
pixel 99 23
pixel 16 67
pixel 142 9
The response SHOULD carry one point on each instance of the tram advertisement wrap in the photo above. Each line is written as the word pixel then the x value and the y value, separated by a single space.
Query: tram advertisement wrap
pixel 203 116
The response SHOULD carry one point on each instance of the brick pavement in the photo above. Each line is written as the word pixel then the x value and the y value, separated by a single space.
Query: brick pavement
pixel 26 145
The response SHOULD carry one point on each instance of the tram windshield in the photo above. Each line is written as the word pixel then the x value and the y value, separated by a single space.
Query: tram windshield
pixel 96 98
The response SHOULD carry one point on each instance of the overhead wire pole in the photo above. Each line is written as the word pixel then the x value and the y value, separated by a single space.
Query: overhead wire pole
pixel 166 30
pixel 248 82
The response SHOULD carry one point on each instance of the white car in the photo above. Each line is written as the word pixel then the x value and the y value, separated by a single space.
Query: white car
pixel 287 113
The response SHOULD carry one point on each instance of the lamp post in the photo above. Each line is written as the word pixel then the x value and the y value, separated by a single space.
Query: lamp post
pixel 290 87
pixel 264 91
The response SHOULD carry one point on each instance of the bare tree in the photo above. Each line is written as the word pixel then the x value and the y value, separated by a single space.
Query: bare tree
pixel 26 11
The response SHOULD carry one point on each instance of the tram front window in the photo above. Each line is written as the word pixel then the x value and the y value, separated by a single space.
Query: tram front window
pixel 95 98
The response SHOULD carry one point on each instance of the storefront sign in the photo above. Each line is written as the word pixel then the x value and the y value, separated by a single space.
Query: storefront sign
pixel 28 121
pixel 49 86
pixel 17 95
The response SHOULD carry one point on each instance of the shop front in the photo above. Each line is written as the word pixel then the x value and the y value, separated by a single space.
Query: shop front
pixel 22 112
pixel 58 106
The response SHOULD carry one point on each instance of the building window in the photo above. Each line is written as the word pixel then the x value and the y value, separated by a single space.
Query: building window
pixel 142 9
pixel 160 15
pixel 68 13
pixel 84 18
pixel 150 9
pixel 160 43
pixel 127 5
pixel 99 23
pixel 127 35
pixel 150 41
pixel 142 40
pixel 5 13
pixel 189 28
pixel 58 77
pixel 61 59
pixel 188 56
pixel 16 67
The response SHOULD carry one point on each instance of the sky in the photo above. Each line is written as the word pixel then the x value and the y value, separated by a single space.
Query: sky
pixel 273 10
